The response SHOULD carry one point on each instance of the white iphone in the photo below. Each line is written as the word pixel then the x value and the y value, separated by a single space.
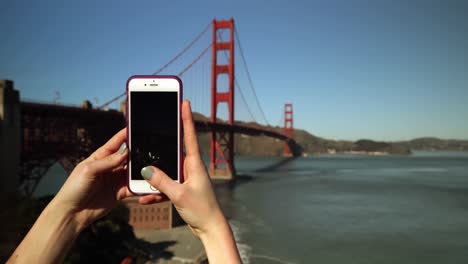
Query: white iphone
pixel 153 128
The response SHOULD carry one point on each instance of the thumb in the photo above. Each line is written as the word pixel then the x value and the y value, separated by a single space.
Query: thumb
pixel 159 180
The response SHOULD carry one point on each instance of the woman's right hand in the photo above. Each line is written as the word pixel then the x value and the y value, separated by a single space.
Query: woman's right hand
pixel 194 199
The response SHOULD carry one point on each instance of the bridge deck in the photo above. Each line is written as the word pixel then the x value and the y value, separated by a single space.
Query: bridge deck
pixel 67 134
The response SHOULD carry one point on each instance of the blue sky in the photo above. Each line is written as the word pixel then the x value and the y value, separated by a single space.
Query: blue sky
pixel 385 70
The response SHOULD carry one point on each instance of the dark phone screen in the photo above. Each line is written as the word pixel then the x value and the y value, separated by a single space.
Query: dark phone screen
pixel 154 132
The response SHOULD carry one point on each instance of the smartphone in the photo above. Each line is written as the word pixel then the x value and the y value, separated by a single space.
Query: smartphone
pixel 153 128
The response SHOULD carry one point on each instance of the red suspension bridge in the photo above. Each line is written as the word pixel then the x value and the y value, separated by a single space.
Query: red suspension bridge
pixel 222 134
pixel 49 132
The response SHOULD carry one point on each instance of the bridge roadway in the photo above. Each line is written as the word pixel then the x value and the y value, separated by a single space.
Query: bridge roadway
pixel 207 126
pixel 52 132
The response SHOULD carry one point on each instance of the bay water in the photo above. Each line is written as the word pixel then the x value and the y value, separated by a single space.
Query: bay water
pixel 351 209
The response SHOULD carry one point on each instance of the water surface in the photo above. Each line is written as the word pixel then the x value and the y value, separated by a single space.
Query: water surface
pixel 351 209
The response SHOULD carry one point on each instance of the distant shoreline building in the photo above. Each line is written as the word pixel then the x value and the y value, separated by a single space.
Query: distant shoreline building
pixel 153 216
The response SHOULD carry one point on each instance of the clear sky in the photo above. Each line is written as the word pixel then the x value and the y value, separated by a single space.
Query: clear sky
pixel 385 70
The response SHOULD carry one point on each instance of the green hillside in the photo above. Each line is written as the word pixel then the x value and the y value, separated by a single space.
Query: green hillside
pixel 265 146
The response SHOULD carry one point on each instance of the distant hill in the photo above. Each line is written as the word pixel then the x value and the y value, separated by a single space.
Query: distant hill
pixel 265 146
pixel 366 145
pixel 434 144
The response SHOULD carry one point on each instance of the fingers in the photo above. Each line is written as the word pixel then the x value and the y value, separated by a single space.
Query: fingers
pixel 152 198
pixel 111 146
pixel 109 162
pixel 190 135
pixel 159 180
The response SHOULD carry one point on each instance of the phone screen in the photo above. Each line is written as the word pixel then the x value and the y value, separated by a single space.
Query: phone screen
pixel 154 133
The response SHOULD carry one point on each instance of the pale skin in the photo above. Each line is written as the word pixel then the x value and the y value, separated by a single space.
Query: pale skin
pixel 99 182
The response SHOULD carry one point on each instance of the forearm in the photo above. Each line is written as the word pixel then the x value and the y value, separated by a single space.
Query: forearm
pixel 49 239
pixel 220 245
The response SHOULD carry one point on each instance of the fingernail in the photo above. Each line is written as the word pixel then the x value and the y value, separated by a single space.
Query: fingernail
pixel 147 172
pixel 122 148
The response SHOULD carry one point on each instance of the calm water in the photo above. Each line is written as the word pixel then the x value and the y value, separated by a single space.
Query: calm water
pixel 351 209
pixel 345 209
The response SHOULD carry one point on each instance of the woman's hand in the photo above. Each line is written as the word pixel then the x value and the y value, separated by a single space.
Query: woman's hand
pixel 90 192
pixel 97 183
pixel 195 199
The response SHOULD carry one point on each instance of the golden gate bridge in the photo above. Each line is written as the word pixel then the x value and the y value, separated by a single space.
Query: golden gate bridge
pixel 50 133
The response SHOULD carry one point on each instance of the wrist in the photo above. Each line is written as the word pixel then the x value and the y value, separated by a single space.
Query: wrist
pixel 215 228
pixel 214 223
pixel 219 243
pixel 65 215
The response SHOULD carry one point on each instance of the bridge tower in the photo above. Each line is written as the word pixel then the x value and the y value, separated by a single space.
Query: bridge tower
pixel 222 143
pixel 288 128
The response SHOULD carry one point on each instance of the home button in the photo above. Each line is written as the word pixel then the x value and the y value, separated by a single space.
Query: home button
pixel 152 188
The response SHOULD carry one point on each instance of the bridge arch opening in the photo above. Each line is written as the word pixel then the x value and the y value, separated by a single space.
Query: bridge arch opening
pixel 222 83
pixel 222 57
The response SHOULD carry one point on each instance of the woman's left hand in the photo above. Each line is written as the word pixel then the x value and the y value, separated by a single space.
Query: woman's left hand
pixel 90 192
pixel 97 183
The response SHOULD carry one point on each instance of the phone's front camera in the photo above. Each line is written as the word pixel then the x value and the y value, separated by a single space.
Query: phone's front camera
pixel 145 84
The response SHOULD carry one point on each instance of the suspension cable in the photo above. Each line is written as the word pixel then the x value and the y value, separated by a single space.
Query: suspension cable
pixel 165 65
pixel 243 99
pixel 184 50
pixel 195 60
pixel 248 75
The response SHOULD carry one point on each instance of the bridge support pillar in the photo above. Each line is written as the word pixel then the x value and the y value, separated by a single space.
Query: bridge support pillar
pixel 222 143
pixel 10 137
pixel 288 128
